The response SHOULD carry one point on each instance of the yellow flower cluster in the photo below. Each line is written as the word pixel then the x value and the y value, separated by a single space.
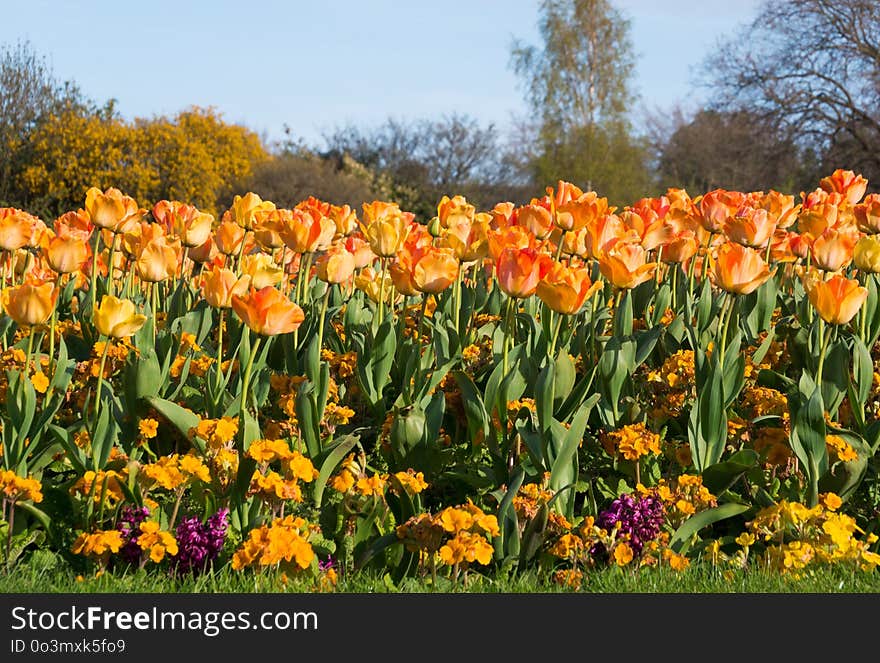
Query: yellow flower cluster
pixel 285 540
pixel 15 488
pixel 96 484
pixel 631 442
pixel 216 432
pixel 458 535
pixel 683 496
pixel 98 545
pixel 174 471
pixel 803 535
pixel 840 449
pixel 157 541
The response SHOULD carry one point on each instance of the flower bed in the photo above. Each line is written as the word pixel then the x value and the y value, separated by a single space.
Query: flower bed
pixel 559 386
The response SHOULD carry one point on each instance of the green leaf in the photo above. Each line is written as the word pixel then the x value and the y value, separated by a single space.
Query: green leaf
pixel 474 409
pixel 680 540
pixel 337 453
pixel 182 419
pixel 720 476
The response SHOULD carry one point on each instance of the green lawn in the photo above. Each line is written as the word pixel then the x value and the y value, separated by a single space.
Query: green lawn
pixel 697 579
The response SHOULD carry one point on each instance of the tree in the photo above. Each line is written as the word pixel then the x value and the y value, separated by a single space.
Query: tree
pixel 194 156
pixel 812 66
pixel 423 160
pixel 29 92
pixel 578 85
pixel 736 150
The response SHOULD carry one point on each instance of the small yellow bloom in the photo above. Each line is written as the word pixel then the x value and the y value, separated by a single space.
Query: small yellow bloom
pixel 40 382
pixel 148 428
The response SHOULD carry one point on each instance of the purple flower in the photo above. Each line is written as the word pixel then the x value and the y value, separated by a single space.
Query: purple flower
pixel 329 564
pixel 200 543
pixel 129 525
pixel 639 517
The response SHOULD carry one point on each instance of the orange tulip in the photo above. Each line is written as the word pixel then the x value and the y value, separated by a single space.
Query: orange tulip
pixel 468 239
pixel 305 232
pixel 159 259
pixel 359 247
pixel 117 317
pixel 581 211
pixel 66 254
pixel 606 230
pixel 205 252
pixel 245 208
pixel 229 236
pixel 30 303
pixel 820 210
pixel 536 217
pixel 336 265
pixel 750 227
pixel 519 270
pixel 833 249
pixel 268 312
pixel 780 208
pixel 185 221
pixel 219 284
pixel 623 264
pixel 717 206
pixel 565 289
pixel 845 182
pixel 867 214
pixel 454 211
pixel 647 218
pixel 836 300
pixel 435 270
pixel 74 224
pixel 262 270
pixel 740 269
pixel 344 218
pixel 509 237
pixel 111 208
pixel 16 228
pixel 681 247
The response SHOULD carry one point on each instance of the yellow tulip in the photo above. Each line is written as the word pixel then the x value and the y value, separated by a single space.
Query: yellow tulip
pixel 30 303
pixel 117 318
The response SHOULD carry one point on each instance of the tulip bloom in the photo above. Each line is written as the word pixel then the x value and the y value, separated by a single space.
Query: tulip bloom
pixel 845 182
pixel 455 210
pixel 117 318
pixel 66 254
pixel 717 206
pixel 623 264
pixel 833 249
pixel 387 232
pixel 111 208
pixel 581 211
pixel 336 265
pixel 30 303
pixel 229 237
pixel 750 227
pixel 740 269
pixel 536 217
pixel 836 300
pixel 158 260
pixel 262 270
pixel 185 221
pixel 16 228
pixel 565 289
pixel 219 284
pixel 268 312
pixel 304 232
pixel 468 239
pixel 435 270
pixel 519 271
pixel 866 255
pixel 867 214
pixel 245 209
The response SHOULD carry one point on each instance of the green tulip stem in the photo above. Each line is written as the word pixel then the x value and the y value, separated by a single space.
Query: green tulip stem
pixel 726 314
pixel 246 378
pixel 101 378
pixel 219 352
pixel 457 294
pixel 556 328
pixel 93 287
pixel 381 302
pixel 826 338
pixel 325 301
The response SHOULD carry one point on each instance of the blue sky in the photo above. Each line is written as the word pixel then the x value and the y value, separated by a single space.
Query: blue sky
pixel 316 65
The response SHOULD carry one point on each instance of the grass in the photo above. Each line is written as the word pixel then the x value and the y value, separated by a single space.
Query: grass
pixel 700 578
